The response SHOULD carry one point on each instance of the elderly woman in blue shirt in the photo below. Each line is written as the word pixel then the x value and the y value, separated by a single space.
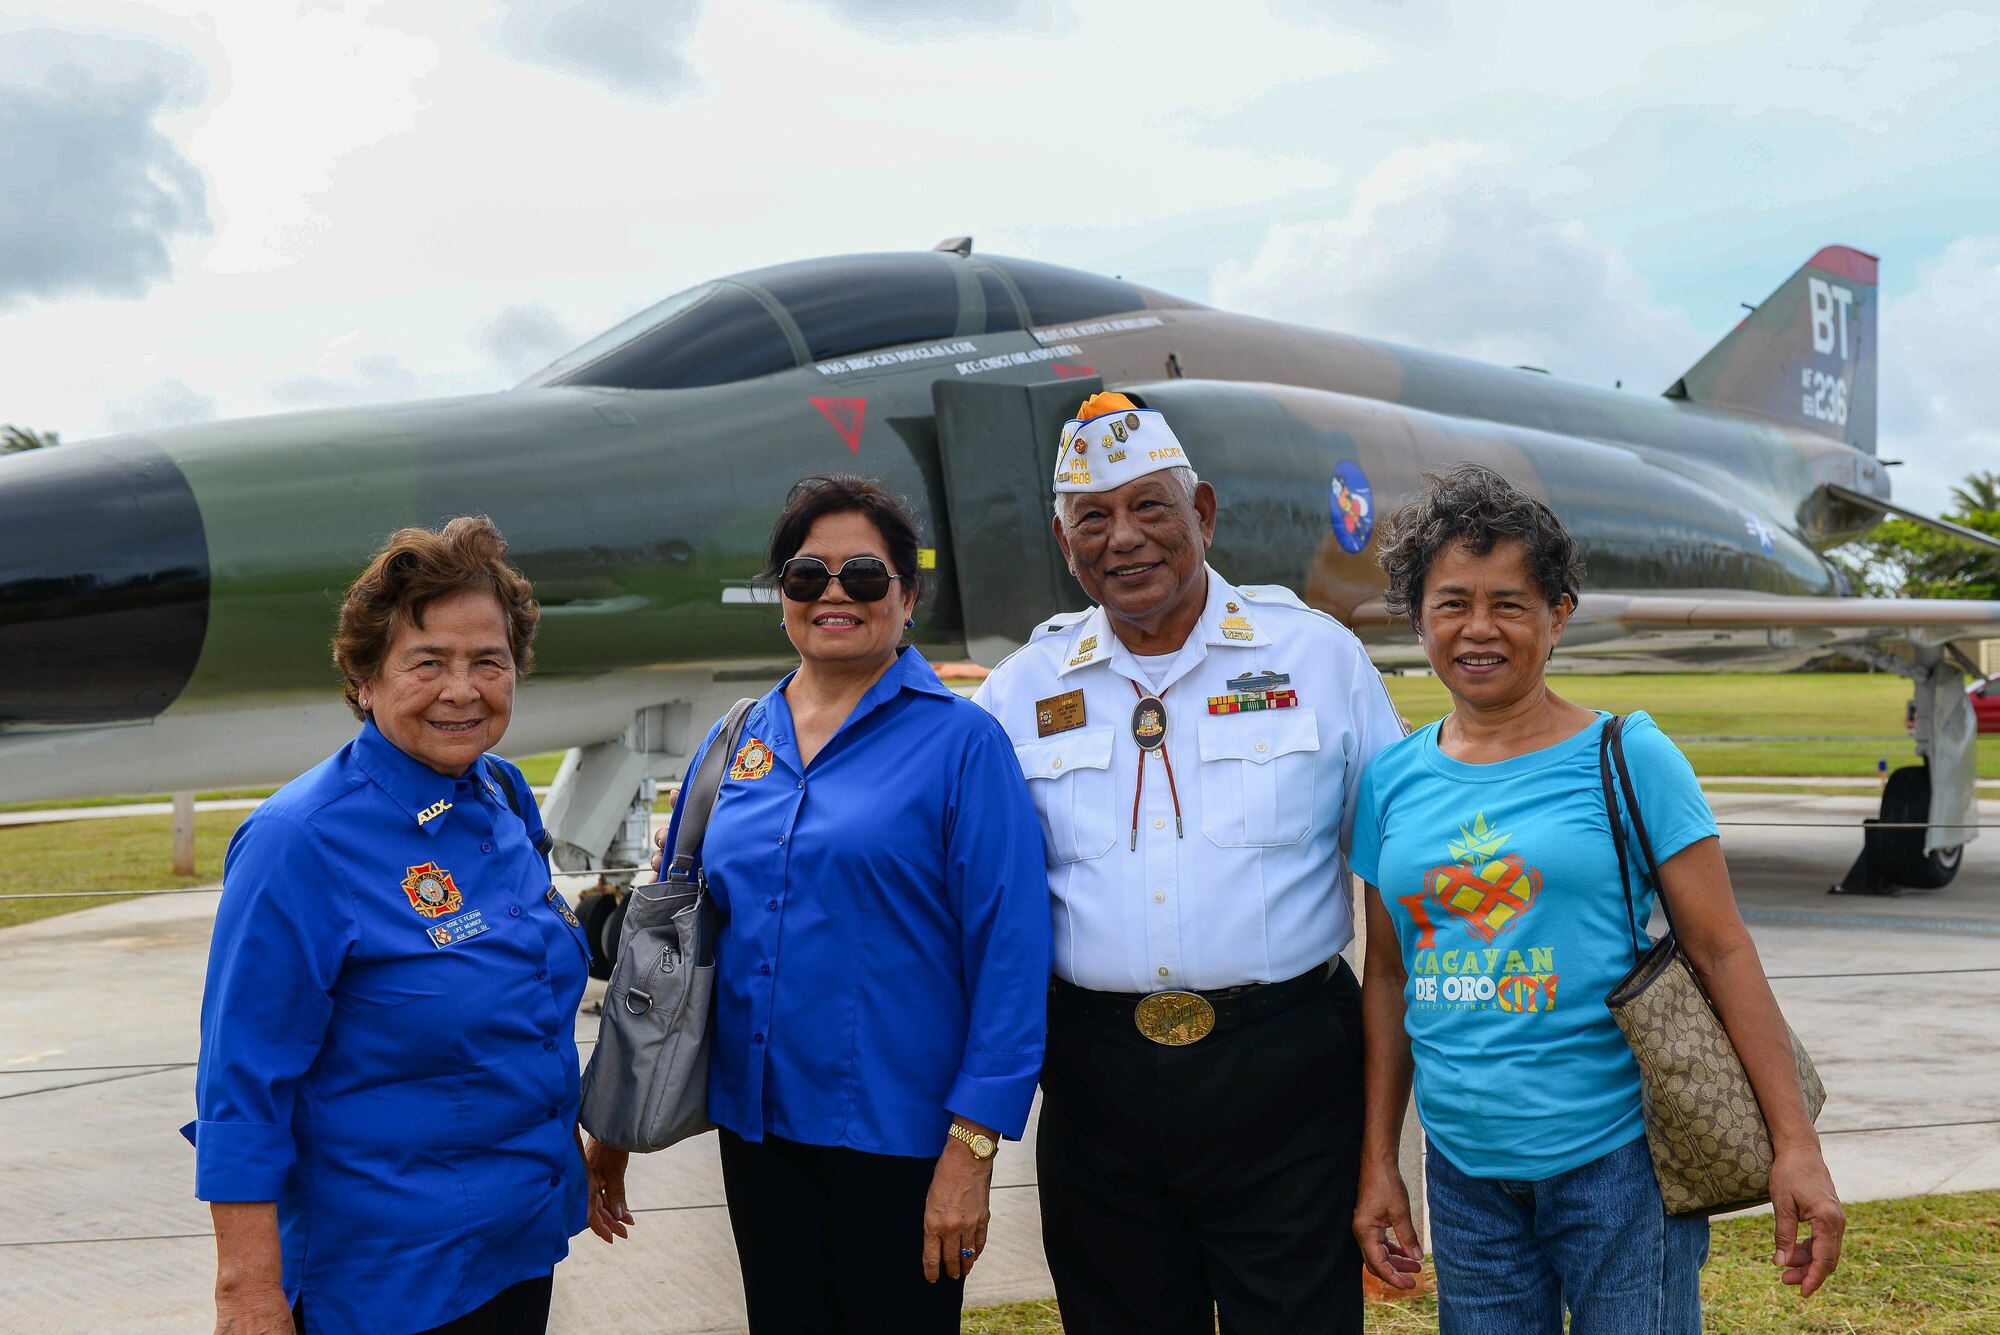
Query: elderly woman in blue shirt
pixel 388 1079
pixel 883 962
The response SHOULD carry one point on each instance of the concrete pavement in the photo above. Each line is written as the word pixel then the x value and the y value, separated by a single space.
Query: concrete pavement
pixel 1908 1051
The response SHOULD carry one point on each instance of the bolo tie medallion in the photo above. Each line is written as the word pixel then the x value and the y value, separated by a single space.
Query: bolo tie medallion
pixel 1149 723
pixel 1149 730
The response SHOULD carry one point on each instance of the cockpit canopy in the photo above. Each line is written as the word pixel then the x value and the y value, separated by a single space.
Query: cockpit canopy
pixel 774 319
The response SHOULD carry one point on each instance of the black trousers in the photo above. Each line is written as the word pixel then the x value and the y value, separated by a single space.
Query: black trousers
pixel 832 1240
pixel 520 1309
pixel 1179 1185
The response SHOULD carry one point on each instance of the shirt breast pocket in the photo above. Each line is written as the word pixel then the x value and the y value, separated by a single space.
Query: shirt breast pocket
pixel 1257 773
pixel 1069 778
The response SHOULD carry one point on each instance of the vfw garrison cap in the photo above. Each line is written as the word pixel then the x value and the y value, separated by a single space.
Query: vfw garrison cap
pixel 1112 440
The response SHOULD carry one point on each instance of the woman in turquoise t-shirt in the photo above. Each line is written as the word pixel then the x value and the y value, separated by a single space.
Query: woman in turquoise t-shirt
pixel 1490 860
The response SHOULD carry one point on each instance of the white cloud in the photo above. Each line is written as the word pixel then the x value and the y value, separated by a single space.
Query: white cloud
pixel 523 338
pixel 169 402
pixel 95 195
pixel 1940 397
pixel 636 46
pixel 935 18
pixel 376 377
pixel 306 90
pixel 1440 250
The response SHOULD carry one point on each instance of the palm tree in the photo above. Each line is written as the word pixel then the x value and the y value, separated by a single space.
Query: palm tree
pixel 1979 491
pixel 14 439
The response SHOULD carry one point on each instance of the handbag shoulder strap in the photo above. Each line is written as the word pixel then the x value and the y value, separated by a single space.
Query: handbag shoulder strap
pixel 1608 741
pixel 698 798
pixel 1639 828
pixel 501 773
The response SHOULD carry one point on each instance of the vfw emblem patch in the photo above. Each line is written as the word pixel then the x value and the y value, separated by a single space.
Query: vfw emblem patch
pixel 753 761
pixel 432 891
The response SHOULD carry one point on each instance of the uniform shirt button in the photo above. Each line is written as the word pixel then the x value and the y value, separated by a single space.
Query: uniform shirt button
pixel 549 1044
pixel 764 969
pixel 1159 825
pixel 513 910
pixel 1056 763
pixel 554 1113
pixel 771 904
pixel 486 848
pixel 541 975
pixel 1163 971
pixel 802 783
pixel 1260 748
pixel 1159 897
pixel 781 841
pixel 757 1038
pixel 555 1181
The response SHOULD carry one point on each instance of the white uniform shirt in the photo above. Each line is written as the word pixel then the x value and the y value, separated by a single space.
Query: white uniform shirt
pixel 1256 888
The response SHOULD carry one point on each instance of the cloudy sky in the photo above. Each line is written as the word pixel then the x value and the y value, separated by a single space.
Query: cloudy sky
pixel 247 206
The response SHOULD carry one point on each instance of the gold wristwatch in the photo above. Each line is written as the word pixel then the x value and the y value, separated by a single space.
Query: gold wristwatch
pixel 982 1147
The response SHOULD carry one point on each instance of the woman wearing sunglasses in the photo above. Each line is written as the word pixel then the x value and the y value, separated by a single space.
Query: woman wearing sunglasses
pixel 883 961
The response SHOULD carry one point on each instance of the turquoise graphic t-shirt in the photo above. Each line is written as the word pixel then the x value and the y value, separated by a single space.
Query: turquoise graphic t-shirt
pixel 1502 882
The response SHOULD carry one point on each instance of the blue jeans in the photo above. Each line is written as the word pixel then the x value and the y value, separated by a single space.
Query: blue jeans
pixel 1510 1256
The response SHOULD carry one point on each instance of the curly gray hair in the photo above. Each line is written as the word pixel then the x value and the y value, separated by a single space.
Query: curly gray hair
pixel 1472 505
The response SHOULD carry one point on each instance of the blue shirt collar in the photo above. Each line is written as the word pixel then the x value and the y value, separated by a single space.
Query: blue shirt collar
pixel 911 671
pixel 425 794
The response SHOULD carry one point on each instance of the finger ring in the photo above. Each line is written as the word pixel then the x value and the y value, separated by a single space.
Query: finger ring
pixel 967 1252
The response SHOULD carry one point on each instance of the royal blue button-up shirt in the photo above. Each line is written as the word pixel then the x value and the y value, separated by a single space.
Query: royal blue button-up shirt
pixel 387 1040
pixel 883 962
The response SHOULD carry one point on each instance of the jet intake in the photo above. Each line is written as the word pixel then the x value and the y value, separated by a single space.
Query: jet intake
pixel 103 583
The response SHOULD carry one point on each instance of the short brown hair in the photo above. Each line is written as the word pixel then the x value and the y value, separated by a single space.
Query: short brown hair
pixel 415 569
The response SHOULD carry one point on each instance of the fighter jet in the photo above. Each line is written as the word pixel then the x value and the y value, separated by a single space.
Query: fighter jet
pixel 166 598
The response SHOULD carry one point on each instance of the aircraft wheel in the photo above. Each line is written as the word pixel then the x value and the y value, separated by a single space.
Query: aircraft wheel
pixel 607 936
pixel 591 914
pixel 1907 800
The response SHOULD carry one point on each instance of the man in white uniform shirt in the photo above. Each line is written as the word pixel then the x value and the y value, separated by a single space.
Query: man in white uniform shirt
pixel 1194 750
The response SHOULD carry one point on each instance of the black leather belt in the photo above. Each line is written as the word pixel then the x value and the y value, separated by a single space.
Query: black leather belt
pixel 1177 1018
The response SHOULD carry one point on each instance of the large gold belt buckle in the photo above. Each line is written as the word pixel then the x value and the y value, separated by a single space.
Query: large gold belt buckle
pixel 1175 1019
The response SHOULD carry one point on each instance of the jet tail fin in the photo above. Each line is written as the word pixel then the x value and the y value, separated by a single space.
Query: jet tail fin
pixel 1805 357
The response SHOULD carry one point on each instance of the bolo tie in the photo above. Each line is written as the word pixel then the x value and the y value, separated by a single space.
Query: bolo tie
pixel 1149 730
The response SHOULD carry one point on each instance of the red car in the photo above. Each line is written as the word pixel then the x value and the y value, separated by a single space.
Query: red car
pixel 1985 697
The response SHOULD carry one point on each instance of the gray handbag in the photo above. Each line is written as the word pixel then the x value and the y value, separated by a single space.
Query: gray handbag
pixel 646 1086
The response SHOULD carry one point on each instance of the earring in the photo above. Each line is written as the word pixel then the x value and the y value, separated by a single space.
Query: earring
pixel 364 704
pixel 909 623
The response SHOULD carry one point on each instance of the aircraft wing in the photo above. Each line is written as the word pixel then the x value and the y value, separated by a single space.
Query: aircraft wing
pixel 1720 629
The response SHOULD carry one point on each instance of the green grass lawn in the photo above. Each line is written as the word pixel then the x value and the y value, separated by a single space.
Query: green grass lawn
pixel 127 853
pixel 1925 1266
pixel 1789 714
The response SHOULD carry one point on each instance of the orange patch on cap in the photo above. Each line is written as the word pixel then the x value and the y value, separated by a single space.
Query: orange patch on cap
pixel 1102 405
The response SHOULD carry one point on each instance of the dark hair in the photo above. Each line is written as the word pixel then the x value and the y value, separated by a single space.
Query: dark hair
pixel 1474 506
pixel 416 568
pixel 843 493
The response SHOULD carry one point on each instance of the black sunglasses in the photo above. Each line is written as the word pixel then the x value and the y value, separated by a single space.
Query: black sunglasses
pixel 865 579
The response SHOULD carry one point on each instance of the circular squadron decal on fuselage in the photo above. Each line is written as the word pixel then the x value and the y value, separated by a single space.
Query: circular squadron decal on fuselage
pixel 1352 505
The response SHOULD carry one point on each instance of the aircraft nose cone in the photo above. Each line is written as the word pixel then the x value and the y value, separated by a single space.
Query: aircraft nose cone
pixel 103 583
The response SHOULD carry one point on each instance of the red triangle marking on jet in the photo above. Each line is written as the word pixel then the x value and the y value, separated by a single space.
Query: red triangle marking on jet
pixel 1071 370
pixel 845 416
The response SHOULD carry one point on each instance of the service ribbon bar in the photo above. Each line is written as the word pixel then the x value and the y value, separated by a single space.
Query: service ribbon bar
pixel 1245 701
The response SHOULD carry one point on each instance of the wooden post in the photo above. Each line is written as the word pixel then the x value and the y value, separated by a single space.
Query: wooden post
pixel 183 834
